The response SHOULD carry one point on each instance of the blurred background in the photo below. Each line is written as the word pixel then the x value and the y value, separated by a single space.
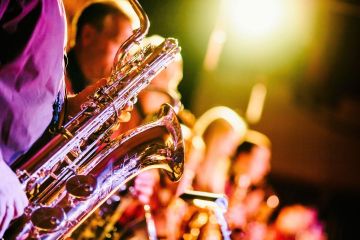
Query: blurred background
pixel 291 68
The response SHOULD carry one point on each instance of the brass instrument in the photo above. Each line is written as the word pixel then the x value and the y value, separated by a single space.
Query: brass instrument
pixel 174 97
pixel 79 168
pixel 216 204
pixel 103 224
pixel 154 145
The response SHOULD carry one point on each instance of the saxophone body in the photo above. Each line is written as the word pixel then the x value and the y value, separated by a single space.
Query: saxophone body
pixel 155 145
pixel 81 166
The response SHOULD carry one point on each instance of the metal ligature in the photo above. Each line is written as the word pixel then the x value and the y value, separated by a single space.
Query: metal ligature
pixel 79 168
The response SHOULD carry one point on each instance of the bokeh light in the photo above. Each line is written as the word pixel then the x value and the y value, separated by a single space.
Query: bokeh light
pixel 256 18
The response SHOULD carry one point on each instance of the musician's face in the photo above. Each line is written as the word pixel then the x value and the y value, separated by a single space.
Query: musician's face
pixel 256 163
pixel 105 43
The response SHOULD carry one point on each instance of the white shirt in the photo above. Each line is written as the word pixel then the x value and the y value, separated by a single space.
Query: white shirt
pixel 32 43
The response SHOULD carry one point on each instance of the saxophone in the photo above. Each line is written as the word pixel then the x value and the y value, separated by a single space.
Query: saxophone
pixel 81 166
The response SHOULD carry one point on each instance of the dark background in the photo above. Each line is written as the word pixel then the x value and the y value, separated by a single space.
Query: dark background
pixel 311 116
pixel 312 108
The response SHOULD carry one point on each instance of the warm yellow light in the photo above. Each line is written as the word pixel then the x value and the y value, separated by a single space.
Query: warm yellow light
pixel 204 204
pixel 256 18
pixel 256 103
pixel 195 232
pixel 215 46
pixel 264 30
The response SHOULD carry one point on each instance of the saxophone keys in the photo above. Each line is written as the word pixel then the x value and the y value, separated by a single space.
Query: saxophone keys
pixel 75 152
pixel 54 176
pixel 81 186
pixel 48 219
pixel 130 105
pixel 22 175
pixel 31 187
pixel 67 160
pixel 66 133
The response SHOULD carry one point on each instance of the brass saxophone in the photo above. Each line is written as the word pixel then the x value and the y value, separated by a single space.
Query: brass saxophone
pixel 79 168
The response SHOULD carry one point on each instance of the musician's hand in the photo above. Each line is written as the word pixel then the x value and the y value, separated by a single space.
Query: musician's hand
pixel 144 185
pixel 75 101
pixel 236 216
pixel 12 198
pixel 175 213
pixel 256 230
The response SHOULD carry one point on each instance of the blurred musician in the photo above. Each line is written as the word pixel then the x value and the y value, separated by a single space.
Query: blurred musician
pixel 251 200
pixel 101 27
pixel 297 222
pixel 122 215
pixel 215 137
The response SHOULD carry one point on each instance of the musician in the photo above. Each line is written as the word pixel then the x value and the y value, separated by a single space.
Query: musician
pixel 218 132
pixel 101 27
pixel 32 46
pixel 32 88
pixel 247 188
pixel 162 89
pixel 297 221
pixel 221 139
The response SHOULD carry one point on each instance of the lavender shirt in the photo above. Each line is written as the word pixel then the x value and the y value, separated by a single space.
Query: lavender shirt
pixel 32 43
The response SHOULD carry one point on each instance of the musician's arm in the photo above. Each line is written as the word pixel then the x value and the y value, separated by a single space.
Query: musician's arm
pixel 145 183
pixel 12 198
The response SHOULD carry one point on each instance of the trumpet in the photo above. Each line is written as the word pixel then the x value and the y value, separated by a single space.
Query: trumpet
pixel 81 166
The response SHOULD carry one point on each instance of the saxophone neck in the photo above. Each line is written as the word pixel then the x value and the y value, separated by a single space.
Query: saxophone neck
pixel 136 37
